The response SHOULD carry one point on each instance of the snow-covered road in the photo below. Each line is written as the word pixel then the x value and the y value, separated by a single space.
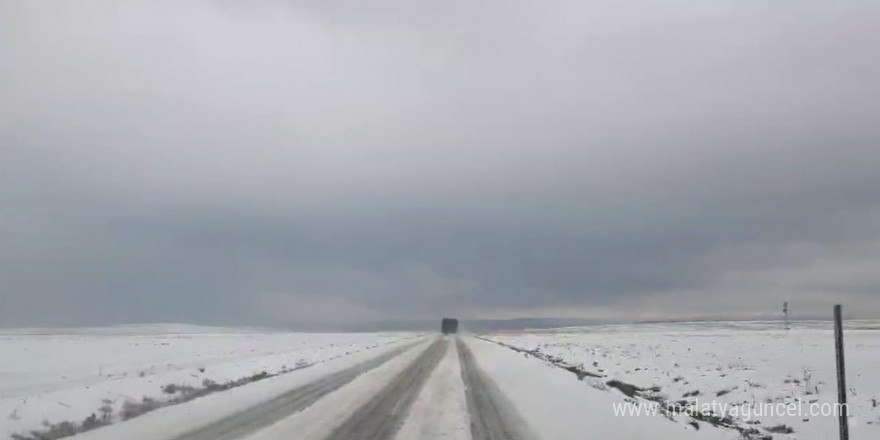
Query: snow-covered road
pixel 429 387
pixel 190 383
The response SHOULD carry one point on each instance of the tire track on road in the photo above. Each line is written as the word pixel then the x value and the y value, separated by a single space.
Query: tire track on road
pixel 493 417
pixel 297 399
pixel 382 417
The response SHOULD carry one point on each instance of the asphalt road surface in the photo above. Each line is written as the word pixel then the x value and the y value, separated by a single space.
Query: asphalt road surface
pixel 381 416
pixel 492 415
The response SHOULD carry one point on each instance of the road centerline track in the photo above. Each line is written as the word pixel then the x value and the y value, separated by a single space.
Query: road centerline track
pixel 493 417
pixel 383 416
pixel 297 399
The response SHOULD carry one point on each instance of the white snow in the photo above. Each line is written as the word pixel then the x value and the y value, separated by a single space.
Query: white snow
pixel 440 412
pixel 556 406
pixel 56 375
pixel 748 363
pixel 318 421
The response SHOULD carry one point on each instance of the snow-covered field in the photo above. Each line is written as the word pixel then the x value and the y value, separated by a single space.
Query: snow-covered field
pixel 734 368
pixel 56 375
pixel 739 367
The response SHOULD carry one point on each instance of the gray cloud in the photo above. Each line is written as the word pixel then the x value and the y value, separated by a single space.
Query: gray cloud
pixel 284 162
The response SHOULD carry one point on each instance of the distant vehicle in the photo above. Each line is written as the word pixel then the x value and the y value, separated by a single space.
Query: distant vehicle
pixel 449 325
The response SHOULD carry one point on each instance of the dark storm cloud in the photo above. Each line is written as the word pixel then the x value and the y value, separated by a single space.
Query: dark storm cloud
pixel 299 161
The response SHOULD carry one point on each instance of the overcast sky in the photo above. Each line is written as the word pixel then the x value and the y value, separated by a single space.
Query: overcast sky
pixel 285 161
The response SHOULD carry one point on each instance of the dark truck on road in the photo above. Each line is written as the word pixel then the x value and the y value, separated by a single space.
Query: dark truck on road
pixel 449 325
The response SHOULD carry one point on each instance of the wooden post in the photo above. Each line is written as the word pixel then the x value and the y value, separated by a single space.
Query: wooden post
pixel 841 374
pixel 785 312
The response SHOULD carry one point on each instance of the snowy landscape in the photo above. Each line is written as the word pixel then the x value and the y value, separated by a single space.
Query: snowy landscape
pixel 49 376
pixel 737 365
pixel 439 220
pixel 170 381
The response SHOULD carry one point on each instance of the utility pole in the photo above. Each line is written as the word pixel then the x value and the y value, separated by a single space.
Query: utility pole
pixel 841 374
